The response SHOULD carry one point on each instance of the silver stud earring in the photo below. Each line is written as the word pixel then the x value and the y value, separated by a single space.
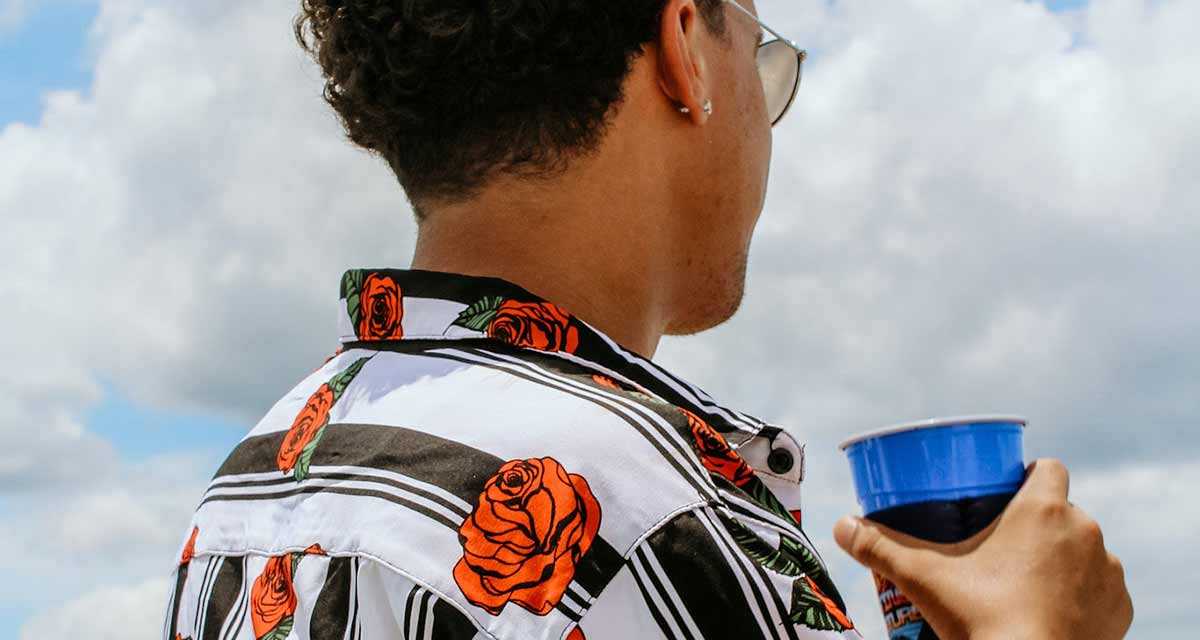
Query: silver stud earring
pixel 708 109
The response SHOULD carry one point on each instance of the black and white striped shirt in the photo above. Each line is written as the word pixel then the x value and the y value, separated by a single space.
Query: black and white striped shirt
pixel 476 462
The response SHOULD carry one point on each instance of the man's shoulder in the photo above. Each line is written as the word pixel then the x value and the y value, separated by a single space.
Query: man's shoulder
pixel 422 435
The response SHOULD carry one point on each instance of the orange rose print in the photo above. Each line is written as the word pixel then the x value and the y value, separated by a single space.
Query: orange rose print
pixel 315 549
pixel 537 325
pixel 829 605
pixel 382 305
pixel 576 634
pixel 605 381
pixel 304 428
pixel 189 549
pixel 272 598
pixel 532 524
pixel 715 452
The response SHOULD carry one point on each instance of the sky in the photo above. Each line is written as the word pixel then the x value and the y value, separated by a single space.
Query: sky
pixel 975 206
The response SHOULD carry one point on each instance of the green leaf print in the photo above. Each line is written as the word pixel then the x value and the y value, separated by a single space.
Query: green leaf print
pixel 351 286
pixel 761 551
pixel 306 454
pixel 351 282
pixel 477 316
pixel 342 380
pixel 280 632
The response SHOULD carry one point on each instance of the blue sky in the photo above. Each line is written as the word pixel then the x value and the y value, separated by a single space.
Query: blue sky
pixel 47 50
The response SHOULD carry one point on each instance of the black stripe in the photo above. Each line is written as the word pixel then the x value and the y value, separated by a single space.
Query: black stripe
pixel 421 615
pixel 579 600
pixel 332 609
pixel 449 623
pixel 180 582
pixel 694 563
pixel 408 607
pixel 658 616
pixel 352 628
pixel 702 489
pixel 239 614
pixel 213 561
pixel 222 597
pixel 568 612
pixel 663 593
pixel 455 468
pixel 365 493
pixel 391 482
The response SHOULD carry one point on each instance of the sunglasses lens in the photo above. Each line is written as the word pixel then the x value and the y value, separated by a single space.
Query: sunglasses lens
pixel 779 69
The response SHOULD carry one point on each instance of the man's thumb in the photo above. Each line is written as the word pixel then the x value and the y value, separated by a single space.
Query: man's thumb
pixel 886 551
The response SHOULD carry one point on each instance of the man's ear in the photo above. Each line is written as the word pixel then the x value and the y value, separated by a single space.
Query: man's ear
pixel 682 69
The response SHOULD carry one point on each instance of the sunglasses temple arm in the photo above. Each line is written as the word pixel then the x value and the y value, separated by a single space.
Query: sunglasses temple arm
pixel 767 28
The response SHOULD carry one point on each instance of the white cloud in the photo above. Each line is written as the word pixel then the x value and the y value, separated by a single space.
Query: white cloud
pixel 131 612
pixel 966 214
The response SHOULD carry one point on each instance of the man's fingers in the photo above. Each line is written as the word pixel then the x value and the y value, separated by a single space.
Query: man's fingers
pixel 1047 476
pixel 888 552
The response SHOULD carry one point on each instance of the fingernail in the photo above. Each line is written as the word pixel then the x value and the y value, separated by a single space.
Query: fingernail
pixel 844 530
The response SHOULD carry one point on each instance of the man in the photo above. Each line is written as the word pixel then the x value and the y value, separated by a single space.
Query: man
pixel 491 453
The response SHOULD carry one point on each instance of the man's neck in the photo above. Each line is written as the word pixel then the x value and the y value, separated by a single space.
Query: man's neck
pixel 604 264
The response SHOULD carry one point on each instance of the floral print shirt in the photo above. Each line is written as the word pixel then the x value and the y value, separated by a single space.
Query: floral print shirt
pixel 476 462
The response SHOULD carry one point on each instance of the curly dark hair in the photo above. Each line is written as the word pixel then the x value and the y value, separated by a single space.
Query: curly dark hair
pixel 451 92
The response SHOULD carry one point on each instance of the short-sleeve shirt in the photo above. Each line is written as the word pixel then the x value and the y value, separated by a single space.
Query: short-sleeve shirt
pixel 474 461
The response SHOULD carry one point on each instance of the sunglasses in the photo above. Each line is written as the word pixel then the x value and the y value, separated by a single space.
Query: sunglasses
pixel 779 63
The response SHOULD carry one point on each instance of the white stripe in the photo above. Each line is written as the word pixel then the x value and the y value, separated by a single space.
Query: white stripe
pixel 696 395
pixel 429 617
pixel 653 565
pixel 360 471
pixel 655 597
pixel 342 484
pixel 570 604
pixel 414 601
pixel 714 529
pixel 673 442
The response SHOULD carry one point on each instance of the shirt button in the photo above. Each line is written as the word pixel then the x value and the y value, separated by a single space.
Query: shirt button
pixel 780 461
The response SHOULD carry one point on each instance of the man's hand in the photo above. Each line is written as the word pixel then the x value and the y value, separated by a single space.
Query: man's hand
pixel 1039 571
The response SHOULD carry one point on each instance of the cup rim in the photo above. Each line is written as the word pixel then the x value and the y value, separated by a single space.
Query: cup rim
pixel 930 423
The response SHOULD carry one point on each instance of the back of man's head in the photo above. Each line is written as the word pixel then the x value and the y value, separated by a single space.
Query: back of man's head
pixel 453 92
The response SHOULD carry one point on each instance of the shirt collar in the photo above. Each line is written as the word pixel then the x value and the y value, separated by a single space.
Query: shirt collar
pixel 415 304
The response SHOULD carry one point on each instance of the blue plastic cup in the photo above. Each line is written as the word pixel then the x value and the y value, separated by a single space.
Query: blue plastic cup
pixel 941 479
